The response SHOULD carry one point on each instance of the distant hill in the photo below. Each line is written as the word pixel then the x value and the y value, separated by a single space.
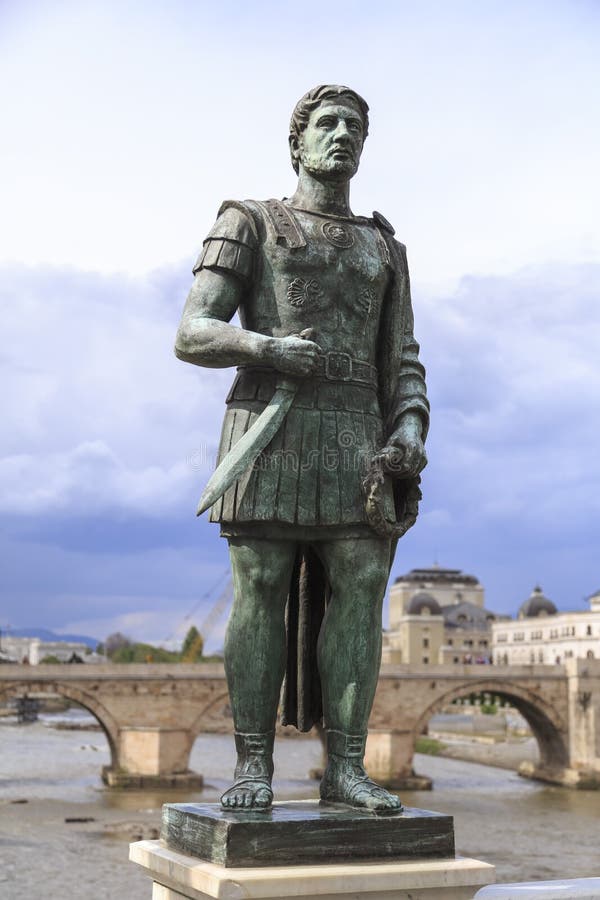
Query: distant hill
pixel 44 635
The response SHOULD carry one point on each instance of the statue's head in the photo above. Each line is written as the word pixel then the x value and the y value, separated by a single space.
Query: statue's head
pixel 327 131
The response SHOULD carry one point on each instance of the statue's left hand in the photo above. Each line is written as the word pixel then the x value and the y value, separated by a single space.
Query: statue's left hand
pixel 404 454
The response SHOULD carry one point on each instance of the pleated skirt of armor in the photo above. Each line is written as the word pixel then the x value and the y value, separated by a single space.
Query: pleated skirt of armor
pixel 312 471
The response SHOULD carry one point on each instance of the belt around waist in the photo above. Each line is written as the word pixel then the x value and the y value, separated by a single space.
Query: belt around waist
pixel 334 366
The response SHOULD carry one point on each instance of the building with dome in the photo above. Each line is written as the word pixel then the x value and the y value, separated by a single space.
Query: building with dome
pixel 437 616
pixel 541 635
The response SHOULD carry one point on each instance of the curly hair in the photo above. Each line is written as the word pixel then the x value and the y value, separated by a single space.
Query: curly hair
pixel 314 98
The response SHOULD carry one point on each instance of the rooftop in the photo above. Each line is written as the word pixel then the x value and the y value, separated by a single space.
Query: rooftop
pixel 537 604
pixel 438 574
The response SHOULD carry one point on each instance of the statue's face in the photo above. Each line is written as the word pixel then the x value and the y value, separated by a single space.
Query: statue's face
pixel 331 144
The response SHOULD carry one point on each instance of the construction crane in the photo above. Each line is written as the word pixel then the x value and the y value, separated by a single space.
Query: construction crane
pixel 220 605
pixel 214 613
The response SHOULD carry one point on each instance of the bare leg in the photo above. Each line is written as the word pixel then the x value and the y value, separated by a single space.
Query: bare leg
pixel 349 655
pixel 255 655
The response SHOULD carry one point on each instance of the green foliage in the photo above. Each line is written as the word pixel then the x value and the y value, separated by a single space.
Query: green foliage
pixel 121 649
pixel 50 660
pixel 429 746
pixel 488 709
pixel 115 642
pixel 143 653
pixel 193 645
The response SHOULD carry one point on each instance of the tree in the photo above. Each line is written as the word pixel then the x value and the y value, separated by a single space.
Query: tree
pixel 115 642
pixel 144 653
pixel 193 645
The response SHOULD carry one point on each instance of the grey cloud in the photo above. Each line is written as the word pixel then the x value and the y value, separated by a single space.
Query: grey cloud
pixel 105 432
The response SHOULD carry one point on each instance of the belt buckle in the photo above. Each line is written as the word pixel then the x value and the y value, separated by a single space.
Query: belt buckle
pixel 338 366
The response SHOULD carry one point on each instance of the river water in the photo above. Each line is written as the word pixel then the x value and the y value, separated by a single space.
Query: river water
pixel 528 831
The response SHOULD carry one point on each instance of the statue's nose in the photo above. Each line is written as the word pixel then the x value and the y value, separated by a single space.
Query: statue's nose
pixel 341 132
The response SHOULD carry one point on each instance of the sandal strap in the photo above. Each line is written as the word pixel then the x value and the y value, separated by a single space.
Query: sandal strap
pixel 251 779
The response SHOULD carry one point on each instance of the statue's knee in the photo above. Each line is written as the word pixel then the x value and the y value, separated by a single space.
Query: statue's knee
pixel 260 585
pixel 370 583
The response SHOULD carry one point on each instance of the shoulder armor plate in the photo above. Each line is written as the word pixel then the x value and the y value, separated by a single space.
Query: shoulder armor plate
pixel 382 222
pixel 241 207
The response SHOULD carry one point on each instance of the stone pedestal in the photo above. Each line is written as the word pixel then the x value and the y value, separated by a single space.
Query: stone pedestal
pixel 179 877
pixel 304 832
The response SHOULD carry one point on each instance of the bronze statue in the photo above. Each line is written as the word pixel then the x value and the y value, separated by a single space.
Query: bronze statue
pixel 321 447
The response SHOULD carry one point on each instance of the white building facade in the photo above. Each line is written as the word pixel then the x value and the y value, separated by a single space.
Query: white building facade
pixel 33 650
pixel 542 635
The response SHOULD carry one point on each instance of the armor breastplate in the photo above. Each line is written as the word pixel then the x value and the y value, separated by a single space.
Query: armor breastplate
pixel 331 275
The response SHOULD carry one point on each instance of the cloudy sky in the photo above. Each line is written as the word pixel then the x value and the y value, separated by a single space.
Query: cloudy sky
pixel 123 128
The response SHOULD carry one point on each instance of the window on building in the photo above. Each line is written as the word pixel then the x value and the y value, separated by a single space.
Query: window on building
pixel 456 659
pixel 450 642
pixel 590 654
pixel 588 629
pixel 426 642
pixel 426 660
pixel 541 656
pixel 483 643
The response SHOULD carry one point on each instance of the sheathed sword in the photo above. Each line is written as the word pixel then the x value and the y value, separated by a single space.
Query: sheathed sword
pixel 249 447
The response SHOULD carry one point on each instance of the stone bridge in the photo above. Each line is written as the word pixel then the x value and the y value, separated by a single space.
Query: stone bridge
pixel 152 714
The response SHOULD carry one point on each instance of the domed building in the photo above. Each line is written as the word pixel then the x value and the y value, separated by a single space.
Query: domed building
pixel 541 635
pixel 423 604
pixel 437 616
pixel 537 604
pixel 447 586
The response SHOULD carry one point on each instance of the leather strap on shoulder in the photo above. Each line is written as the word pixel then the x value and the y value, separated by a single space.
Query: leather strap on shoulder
pixel 283 223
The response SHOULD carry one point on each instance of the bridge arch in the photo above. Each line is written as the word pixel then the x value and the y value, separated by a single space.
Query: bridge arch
pixel 70 692
pixel 548 728
pixel 196 728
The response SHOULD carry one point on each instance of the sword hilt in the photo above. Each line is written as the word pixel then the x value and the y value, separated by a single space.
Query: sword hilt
pixel 291 382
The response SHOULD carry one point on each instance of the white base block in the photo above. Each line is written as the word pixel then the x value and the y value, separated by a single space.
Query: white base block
pixel 179 877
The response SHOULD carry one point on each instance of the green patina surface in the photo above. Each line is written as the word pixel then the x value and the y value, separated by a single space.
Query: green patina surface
pixel 330 402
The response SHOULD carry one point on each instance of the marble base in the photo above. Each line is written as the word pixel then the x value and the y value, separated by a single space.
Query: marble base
pixel 304 832
pixel 179 877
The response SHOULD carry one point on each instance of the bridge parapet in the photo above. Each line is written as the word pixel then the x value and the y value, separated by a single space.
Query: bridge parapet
pixel 151 714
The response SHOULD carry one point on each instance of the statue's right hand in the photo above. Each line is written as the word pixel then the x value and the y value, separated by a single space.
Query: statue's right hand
pixel 295 355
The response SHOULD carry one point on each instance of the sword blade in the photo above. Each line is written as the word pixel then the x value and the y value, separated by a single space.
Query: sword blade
pixel 249 446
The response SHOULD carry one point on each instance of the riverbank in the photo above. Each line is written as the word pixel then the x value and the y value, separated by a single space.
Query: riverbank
pixel 502 754
pixel 499 741
pixel 70 838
